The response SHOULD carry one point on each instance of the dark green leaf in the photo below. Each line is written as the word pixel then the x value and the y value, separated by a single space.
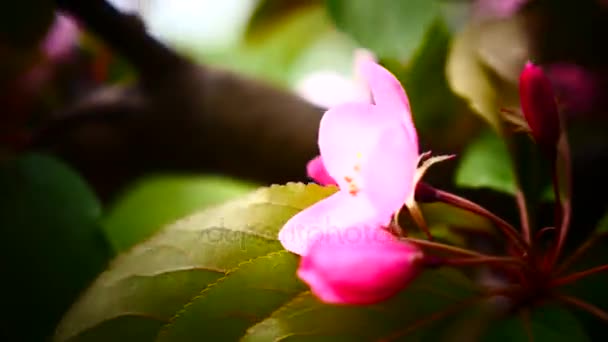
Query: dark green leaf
pixel 442 119
pixel 545 323
pixel 591 289
pixel 157 201
pixel 52 243
pixel 156 279
pixel 221 275
pixel 486 164
pixel 391 28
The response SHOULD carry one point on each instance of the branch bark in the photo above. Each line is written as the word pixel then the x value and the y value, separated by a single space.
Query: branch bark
pixel 179 117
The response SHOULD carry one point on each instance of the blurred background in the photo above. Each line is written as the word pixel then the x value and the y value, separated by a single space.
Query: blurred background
pixel 123 116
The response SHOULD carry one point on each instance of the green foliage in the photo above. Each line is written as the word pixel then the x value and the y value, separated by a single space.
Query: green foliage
pixel 592 289
pixel 486 164
pixel 221 274
pixel 52 243
pixel 390 28
pixel 440 116
pixel 270 51
pixel 545 323
pixel 480 71
pixel 159 200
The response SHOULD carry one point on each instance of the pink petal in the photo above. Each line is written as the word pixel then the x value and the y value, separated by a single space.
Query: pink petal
pixel 391 176
pixel 316 170
pixel 326 217
pixel 363 265
pixel 389 96
pixel 347 135
pixel 368 154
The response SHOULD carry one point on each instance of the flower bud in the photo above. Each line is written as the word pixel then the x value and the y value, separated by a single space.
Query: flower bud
pixel 363 266
pixel 539 107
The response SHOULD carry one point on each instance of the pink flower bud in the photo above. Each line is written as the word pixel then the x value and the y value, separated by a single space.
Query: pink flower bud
pixel 317 171
pixel 539 107
pixel 359 266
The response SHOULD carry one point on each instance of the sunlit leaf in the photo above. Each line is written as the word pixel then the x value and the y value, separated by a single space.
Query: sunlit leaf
pixel 472 77
pixel 221 274
pixel 390 28
pixel 156 201
pixel 270 53
pixel 52 246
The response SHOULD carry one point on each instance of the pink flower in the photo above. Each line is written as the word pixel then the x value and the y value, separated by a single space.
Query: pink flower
pixel 364 268
pixel 371 152
pixel 539 107
pixel 61 38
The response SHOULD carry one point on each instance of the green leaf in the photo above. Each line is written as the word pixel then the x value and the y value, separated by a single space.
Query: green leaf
pixel 545 323
pixel 591 289
pixel 154 280
pixel 305 318
pixel 52 243
pixel 156 201
pixel 486 164
pixel 442 119
pixel 602 226
pixel 221 275
pixel 471 76
pixel 391 28
pixel 271 52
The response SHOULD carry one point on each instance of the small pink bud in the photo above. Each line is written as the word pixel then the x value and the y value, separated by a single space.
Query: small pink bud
pixel 317 171
pixel 359 266
pixel 539 107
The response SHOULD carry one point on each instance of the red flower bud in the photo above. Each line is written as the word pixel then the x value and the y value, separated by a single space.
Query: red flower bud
pixel 539 107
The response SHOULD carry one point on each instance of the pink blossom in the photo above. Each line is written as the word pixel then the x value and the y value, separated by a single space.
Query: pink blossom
pixel 371 151
pixel 328 88
pixel 61 38
pixel 362 268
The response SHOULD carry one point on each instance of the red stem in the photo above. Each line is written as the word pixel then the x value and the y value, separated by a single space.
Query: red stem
pixel 443 247
pixel 566 206
pixel 579 275
pixel 579 252
pixel 483 260
pixel 504 226
pixel 581 304
pixel 524 218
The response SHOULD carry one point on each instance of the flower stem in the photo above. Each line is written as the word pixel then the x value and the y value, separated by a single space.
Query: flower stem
pixel 579 252
pixel 524 218
pixel 581 304
pixel 566 206
pixel 443 247
pixel 579 275
pixel 504 226
pixel 492 260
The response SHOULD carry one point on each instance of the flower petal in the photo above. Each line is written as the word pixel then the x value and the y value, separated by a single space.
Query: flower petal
pixel 328 216
pixel 389 96
pixel 363 265
pixel 391 176
pixel 316 170
pixel 347 135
